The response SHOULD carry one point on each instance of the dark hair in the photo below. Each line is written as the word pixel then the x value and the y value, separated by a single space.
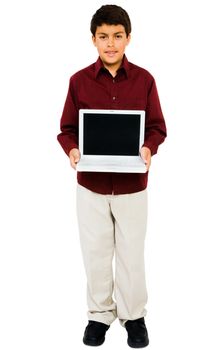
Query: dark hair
pixel 110 14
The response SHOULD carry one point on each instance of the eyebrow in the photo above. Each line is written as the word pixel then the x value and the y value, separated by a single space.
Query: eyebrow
pixel 101 33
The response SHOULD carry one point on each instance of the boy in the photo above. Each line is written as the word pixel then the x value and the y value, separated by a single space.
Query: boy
pixel 112 207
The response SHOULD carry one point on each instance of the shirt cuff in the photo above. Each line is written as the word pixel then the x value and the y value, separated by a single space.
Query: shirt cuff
pixel 151 146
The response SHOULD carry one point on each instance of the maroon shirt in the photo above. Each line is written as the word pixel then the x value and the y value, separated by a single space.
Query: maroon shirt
pixel 95 88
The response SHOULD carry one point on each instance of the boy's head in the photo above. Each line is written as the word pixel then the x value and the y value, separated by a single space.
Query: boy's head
pixel 111 15
pixel 111 28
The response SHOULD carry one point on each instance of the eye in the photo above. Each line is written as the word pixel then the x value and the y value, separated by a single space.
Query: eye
pixel 102 37
pixel 118 36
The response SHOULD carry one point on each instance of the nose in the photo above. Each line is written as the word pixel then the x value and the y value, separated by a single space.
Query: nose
pixel 110 41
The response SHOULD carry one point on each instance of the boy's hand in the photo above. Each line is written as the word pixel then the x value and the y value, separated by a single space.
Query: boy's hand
pixel 145 153
pixel 74 156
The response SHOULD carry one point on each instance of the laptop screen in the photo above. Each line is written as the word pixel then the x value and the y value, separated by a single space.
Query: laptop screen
pixel 111 134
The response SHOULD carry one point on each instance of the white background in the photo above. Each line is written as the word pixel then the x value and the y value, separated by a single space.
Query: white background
pixel 42 293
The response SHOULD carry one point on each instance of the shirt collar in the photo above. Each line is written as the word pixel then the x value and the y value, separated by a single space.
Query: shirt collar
pixel 124 66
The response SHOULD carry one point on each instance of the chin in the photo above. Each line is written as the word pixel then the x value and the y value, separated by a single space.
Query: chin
pixel 111 61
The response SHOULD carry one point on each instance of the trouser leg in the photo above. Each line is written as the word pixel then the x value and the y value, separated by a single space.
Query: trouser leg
pixel 96 230
pixel 130 213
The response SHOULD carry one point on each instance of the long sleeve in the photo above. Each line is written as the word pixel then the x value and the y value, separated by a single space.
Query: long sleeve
pixel 155 128
pixel 68 138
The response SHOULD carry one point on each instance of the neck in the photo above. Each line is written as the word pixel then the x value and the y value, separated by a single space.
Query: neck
pixel 112 68
pixel 113 72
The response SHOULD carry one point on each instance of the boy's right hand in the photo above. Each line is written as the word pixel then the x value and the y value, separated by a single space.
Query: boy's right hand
pixel 74 156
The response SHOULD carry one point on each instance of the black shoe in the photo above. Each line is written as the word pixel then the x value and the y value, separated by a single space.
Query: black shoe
pixel 95 333
pixel 137 333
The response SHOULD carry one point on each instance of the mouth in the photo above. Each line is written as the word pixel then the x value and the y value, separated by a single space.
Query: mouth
pixel 110 53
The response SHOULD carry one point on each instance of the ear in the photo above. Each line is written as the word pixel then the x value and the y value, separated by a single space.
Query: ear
pixel 128 39
pixel 94 40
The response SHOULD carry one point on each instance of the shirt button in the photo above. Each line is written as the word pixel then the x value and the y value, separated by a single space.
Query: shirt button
pixel 113 80
pixel 114 98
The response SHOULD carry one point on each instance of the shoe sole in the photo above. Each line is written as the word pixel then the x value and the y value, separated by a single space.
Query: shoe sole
pixel 92 343
pixel 137 345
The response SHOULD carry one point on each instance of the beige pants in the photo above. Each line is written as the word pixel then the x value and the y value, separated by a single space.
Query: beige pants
pixel 111 224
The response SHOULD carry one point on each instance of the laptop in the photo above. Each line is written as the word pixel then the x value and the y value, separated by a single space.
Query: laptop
pixel 110 140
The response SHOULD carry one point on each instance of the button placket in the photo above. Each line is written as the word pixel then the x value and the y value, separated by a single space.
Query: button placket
pixel 113 91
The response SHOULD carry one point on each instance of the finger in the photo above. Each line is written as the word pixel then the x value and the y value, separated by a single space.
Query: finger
pixel 74 161
pixel 73 164
pixel 148 163
pixel 145 159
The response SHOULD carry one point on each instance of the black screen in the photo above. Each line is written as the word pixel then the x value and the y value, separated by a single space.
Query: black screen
pixel 111 134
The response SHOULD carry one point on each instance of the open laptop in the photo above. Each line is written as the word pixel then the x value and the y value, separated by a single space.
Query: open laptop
pixel 110 140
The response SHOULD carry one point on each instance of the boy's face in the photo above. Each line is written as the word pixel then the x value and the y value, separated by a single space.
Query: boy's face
pixel 111 41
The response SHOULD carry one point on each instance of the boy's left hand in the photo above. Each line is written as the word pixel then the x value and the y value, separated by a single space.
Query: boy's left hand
pixel 145 153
